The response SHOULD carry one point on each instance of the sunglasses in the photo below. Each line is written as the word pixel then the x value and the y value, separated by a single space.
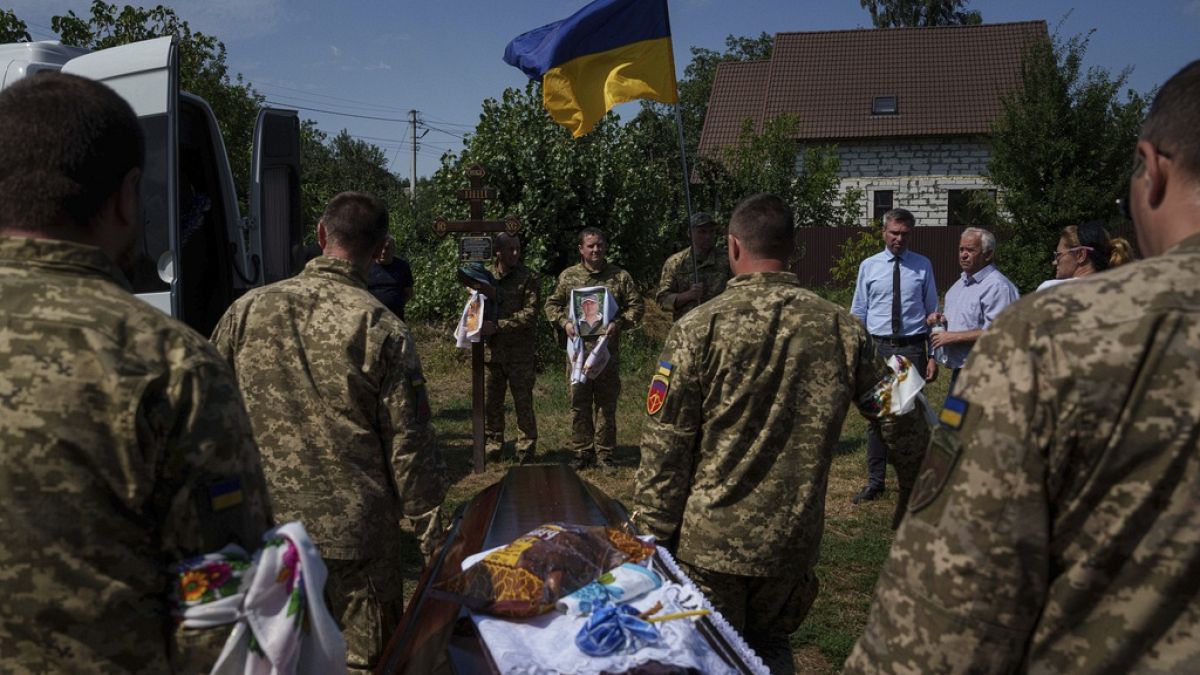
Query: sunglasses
pixel 1058 254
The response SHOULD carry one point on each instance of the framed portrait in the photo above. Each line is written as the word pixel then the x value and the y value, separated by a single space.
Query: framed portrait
pixel 590 310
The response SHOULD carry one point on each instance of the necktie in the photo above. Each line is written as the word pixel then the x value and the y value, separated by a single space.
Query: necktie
pixel 897 324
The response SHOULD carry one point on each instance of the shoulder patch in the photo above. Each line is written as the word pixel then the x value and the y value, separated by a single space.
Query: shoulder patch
pixel 225 494
pixel 953 412
pixel 944 449
pixel 659 385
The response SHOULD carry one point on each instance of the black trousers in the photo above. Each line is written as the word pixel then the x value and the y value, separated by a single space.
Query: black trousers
pixel 876 449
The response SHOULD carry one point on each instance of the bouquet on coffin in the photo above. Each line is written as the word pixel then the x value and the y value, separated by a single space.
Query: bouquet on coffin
pixel 591 310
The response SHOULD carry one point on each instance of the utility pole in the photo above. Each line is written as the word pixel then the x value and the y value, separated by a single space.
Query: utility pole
pixel 412 175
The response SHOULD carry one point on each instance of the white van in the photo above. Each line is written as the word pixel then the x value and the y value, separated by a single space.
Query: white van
pixel 198 253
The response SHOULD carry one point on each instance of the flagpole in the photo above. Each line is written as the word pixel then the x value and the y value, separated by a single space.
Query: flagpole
pixel 687 193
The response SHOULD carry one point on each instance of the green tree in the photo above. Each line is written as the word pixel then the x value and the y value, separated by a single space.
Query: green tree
pixel 12 29
pixel 1061 152
pixel 917 13
pixel 202 67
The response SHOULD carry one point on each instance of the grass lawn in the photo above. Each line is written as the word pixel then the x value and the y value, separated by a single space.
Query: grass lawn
pixel 856 538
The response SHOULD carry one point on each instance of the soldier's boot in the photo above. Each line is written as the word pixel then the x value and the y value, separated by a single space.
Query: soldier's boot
pixel 584 460
pixel 526 453
pixel 605 463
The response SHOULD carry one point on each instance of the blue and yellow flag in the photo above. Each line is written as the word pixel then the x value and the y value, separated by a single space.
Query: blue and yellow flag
pixel 609 52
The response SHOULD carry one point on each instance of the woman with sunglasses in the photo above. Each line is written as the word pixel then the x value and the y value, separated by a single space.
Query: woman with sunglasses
pixel 1086 249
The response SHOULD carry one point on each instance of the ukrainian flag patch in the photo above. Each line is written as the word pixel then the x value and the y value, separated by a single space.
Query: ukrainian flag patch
pixel 225 494
pixel 953 412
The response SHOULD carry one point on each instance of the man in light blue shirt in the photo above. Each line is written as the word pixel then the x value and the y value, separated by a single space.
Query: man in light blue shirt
pixel 896 299
pixel 974 301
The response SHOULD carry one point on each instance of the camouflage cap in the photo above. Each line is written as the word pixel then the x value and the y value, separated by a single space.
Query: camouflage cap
pixel 702 219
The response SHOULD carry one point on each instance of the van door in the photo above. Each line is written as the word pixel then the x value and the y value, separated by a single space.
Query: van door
pixel 276 233
pixel 146 75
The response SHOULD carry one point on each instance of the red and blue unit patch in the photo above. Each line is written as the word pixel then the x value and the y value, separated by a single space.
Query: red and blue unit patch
pixel 659 387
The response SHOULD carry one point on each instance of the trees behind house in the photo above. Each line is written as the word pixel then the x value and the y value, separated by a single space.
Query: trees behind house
pixel 917 13
pixel 1061 153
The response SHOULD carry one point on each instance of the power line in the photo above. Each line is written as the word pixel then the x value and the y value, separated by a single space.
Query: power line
pixel 335 98
pixel 334 112
pixel 309 100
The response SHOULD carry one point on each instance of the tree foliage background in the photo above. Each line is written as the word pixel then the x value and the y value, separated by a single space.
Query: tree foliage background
pixel 1061 153
pixel 916 13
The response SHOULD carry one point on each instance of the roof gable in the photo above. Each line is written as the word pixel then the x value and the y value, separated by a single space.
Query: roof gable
pixel 948 80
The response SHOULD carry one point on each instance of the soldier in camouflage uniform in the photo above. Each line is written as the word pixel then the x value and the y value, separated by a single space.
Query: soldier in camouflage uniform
pixel 677 292
pixel 338 402
pixel 746 406
pixel 119 426
pixel 594 403
pixel 510 351
pixel 1054 527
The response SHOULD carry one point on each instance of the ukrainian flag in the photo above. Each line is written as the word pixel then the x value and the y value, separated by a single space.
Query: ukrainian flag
pixel 609 52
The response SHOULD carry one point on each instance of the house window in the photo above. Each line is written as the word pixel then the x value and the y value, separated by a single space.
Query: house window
pixel 884 105
pixel 881 204
pixel 968 208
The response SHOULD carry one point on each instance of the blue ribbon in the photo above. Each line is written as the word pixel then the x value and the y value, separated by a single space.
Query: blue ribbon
pixel 615 628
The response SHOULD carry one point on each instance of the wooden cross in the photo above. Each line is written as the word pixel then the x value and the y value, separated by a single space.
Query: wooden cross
pixel 475 196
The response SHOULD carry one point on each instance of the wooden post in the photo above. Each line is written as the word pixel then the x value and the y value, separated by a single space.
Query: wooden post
pixel 475 196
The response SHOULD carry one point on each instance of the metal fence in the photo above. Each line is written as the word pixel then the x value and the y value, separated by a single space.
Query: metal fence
pixel 821 247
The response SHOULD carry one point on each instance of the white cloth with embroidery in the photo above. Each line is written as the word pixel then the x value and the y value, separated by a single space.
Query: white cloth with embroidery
pixel 906 386
pixel 589 367
pixel 545 645
pixel 280 603
pixel 470 322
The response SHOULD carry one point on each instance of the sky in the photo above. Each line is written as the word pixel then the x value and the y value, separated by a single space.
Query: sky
pixel 382 58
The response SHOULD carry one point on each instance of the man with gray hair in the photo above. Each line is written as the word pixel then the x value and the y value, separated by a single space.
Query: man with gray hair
pixel 973 302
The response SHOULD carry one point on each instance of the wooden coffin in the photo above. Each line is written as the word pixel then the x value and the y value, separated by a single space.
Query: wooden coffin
pixel 436 636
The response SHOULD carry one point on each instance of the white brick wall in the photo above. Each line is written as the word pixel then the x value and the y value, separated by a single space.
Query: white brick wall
pixel 920 172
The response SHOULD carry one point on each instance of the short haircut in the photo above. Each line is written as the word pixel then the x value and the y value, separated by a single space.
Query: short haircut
pixel 986 239
pixel 357 222
pixel 764 225
pixel 66 145
pixel 591 232
pixel 902 216
pixel 1175 117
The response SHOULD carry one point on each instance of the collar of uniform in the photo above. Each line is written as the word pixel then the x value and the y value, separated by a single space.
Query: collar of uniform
pixel 764 278
pixel 972 279
pixel 1186 245
pixel 709 258
pixel 335 268
pixel 64 256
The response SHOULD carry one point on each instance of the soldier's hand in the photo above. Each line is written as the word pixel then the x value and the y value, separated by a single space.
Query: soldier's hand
pixel 488 328
pixel 931 370
pixel 693 293
pixel 570 328
pixel 613 329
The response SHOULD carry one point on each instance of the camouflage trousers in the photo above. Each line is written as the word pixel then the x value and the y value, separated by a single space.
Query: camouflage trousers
pixel 594 413
pixel 765 610
pixel 517 378
pixel 366 597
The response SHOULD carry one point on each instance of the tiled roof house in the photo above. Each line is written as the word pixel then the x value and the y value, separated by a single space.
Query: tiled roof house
pixel 909 108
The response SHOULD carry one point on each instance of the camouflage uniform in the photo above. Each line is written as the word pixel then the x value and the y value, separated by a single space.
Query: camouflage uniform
pixel 594 403
pixel 118 427
pixel 735 463
pixel 338 402
pixel 1054 527
pixel 510 356
pixel 676 278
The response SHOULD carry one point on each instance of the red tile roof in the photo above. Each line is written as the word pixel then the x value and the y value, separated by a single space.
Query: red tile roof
pixel 947 80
